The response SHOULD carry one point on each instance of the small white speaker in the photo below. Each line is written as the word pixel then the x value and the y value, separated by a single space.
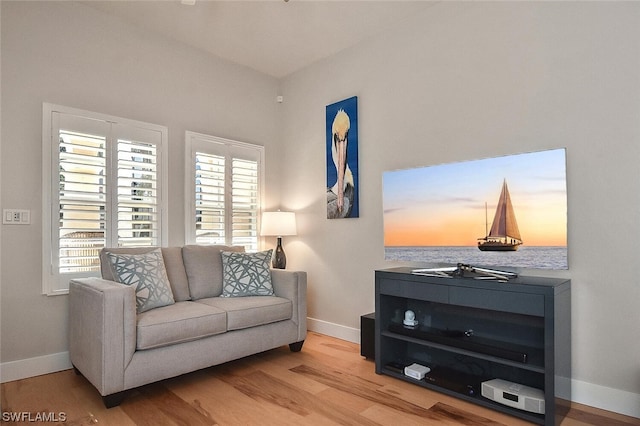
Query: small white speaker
pixel 514 395
pixel 416 371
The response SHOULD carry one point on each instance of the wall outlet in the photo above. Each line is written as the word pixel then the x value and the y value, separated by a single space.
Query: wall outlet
pixel 16 217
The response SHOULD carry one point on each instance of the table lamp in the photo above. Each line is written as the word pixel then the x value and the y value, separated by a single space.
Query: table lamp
pixel 278 224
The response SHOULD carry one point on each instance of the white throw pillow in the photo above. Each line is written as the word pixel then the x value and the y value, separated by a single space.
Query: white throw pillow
pixel 146 272
pixel 246 274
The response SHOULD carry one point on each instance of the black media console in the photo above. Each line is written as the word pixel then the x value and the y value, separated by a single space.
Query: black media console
pixel 470 331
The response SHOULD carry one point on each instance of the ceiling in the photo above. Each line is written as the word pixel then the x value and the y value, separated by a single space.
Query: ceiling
pixel 271 36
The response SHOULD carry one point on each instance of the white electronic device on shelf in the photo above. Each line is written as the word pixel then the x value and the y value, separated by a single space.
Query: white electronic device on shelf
pixel 410 319
pixel 514 395
pixel 416 371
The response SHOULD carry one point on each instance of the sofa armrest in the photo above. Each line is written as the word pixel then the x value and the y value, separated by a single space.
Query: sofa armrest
pixel 292 285
pixel 102 331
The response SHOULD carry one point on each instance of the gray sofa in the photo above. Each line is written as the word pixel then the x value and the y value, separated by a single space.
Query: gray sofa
pixel 117 347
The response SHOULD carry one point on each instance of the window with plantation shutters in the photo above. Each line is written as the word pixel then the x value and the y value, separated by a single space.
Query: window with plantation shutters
pixel 102 185
pixel 224 181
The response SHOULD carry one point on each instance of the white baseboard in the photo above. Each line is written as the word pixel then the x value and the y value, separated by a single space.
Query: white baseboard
pixel 334 330
pixel 605 398
pixel 618 401
pixel 31 367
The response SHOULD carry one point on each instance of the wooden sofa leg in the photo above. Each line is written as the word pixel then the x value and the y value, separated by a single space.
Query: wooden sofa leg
pixel 297 346
pixel 114 399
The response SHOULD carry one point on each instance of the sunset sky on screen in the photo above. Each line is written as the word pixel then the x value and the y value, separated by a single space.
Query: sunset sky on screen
pixel 444 205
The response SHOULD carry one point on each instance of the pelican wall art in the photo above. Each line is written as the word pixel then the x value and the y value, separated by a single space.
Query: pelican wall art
pixel 342 159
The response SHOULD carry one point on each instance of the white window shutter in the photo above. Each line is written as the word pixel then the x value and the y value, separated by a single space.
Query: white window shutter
pixel 81 200
pixel 138 187
pixel 224 191
pixel 104 180
pixel 245 203
pixel 209 199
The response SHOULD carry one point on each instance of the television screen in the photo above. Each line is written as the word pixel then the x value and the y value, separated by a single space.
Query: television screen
pixel 506 211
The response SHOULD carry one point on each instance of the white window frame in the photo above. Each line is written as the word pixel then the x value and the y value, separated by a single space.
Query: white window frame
pixel 228 148
pixel 54 282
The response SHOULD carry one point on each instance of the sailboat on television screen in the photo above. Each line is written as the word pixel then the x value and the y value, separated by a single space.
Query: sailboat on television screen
pixel 504 234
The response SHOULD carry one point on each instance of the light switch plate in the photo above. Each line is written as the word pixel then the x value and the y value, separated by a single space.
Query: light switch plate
pixel 16 217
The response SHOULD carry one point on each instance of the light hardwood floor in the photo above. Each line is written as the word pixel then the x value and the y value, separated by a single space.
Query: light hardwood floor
pixel 328 383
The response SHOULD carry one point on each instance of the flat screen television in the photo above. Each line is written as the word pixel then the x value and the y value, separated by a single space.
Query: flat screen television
pixel 508 211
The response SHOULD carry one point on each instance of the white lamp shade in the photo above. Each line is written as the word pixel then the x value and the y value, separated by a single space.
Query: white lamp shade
pixel 278 224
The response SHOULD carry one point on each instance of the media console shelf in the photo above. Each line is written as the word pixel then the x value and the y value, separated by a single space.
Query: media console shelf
pixel 470 331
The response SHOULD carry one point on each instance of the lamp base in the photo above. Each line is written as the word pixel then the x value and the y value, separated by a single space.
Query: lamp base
pixel 279 258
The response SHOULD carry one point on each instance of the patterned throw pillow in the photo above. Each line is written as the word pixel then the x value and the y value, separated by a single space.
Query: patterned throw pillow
pixel 146 272
pixel 246 274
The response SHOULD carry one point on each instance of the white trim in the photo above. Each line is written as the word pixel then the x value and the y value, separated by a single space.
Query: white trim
pixel 605 398
pixel 31 367
pixel 48 286
pixel 338 331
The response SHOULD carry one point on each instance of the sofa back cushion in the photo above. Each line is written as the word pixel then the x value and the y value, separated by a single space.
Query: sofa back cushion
pixel 172 262
pixel 203 266
pixel 177 275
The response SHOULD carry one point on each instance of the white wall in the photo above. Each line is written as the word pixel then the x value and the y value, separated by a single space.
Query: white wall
pixel 69 54
pixel 461 81
pixel 472 80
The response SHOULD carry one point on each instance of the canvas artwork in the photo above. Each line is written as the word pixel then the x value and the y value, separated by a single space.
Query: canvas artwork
pixel 503 211
pixel 342 159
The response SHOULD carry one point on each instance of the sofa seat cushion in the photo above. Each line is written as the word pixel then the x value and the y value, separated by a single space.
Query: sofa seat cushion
pixel 180 322
pixel 251 311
